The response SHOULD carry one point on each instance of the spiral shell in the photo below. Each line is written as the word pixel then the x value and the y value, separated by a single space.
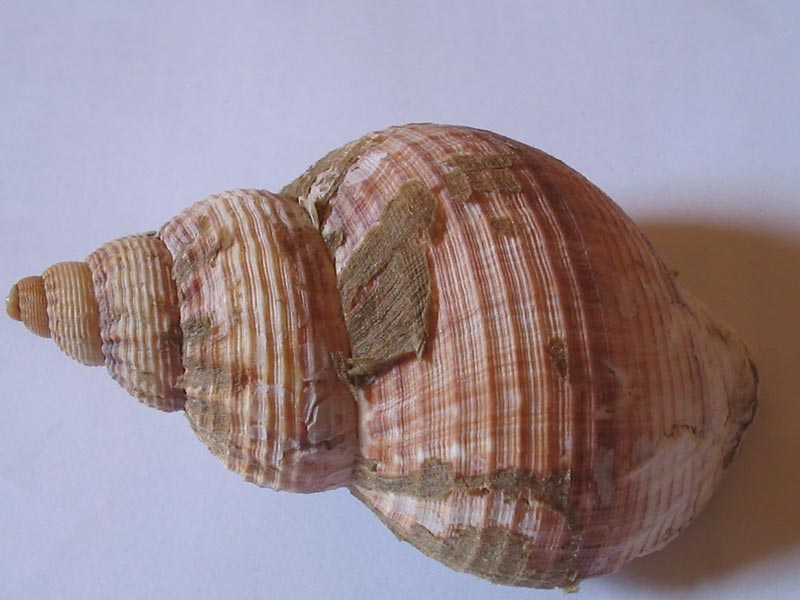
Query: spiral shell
pixel 458 327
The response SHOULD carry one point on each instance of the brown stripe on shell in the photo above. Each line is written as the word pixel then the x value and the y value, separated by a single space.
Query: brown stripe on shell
pixel 577 358
pixel 140 318
pixel 262 326
pixel 72 311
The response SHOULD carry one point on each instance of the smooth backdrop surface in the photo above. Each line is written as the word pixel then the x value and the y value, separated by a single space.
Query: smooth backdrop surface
pixel 115 115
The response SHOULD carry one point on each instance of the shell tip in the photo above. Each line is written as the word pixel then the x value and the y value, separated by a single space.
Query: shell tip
pixel 12 303
pixel 27 302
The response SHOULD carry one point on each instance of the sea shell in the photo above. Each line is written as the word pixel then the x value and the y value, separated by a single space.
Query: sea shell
pixel 458 327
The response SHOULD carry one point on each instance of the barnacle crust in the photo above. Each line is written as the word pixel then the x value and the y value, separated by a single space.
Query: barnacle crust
pixel 385 285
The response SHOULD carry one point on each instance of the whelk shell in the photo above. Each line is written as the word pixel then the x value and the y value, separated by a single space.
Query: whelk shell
pixel 458 327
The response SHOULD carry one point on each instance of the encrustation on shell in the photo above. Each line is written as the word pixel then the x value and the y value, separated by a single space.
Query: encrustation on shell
pixel 460 328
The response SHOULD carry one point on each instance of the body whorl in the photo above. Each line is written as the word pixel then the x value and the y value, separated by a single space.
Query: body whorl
pixel 569 410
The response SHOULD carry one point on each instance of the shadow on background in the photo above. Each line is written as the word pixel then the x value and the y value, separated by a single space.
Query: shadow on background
pixel 751 279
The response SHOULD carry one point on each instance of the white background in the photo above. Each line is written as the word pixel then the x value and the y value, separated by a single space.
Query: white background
pixel 115 115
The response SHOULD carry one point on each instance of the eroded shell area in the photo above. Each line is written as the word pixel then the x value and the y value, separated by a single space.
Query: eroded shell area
pixel 556 347
pixel 505 537
pixel 262 330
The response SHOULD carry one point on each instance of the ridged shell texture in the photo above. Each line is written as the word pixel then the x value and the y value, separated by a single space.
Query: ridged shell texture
pixel 459 327
pixel 571 410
